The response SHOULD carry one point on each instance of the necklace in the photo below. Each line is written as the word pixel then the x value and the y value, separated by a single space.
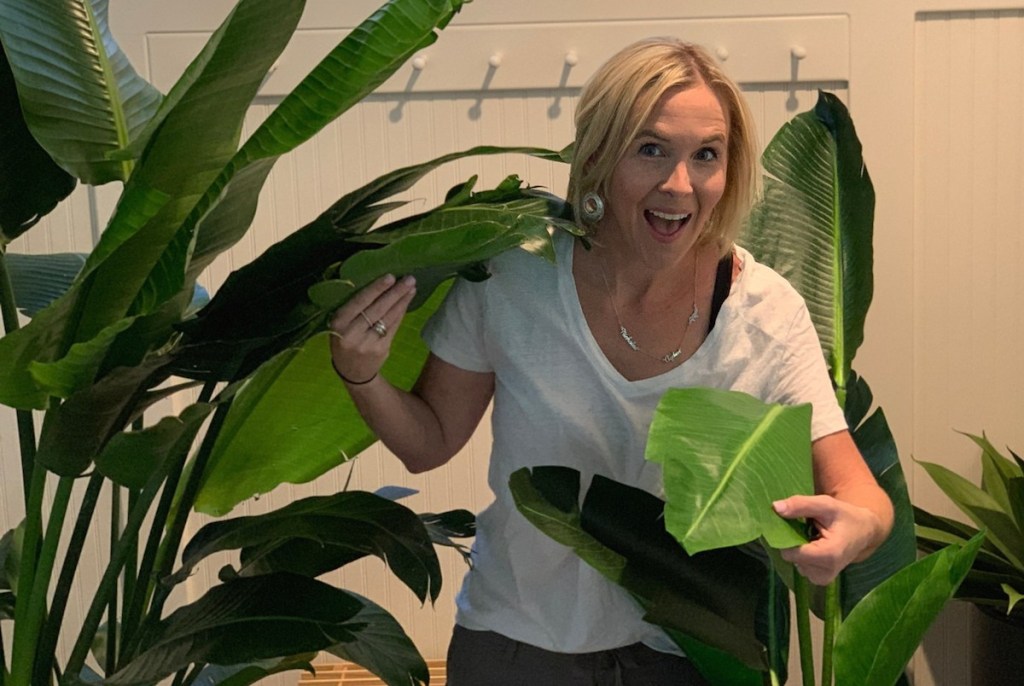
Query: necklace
pixel 668 358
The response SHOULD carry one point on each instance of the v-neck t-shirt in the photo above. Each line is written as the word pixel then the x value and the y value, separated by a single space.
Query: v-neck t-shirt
pixel 559 401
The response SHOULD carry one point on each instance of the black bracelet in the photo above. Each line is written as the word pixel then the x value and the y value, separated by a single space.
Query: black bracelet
pixel 348 380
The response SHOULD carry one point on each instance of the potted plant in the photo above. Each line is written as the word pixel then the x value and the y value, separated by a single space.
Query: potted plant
pixel 995 582
pixel 122 336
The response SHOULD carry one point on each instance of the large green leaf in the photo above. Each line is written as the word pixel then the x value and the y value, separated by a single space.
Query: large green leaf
pixel 130 457
pixel 196 139
pixel 701 600
pixel 75 432
pixel 242 621
pixel 346 525
pixel 875 441
pixel 293 420
pixel 383 647
pixel 81 97
pixel 364 59
pixel 814 225
pixel 38 280
pixel 726 456
pixel 881 634
pixel 983 510
pixel 997 477
pixel 264 307
pixel 31 183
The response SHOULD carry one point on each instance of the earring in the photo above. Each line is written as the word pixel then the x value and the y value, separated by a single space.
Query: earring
pixel 591 208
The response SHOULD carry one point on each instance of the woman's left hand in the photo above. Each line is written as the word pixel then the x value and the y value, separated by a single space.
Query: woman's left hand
pixel 846 533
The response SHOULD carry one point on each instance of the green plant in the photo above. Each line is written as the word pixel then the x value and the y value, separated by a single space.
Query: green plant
pixel 996 580
pixel 814 226
pixel 98 356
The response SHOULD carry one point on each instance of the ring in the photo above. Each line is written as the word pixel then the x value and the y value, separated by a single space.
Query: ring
pixel 366 319
pixel 380 328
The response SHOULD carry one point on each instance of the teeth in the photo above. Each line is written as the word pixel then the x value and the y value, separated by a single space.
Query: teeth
pixel 669 217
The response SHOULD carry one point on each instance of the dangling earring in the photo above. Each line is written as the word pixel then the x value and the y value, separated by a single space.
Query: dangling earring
pixel 592 208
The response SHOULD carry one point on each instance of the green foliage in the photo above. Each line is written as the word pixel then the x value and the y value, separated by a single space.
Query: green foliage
pixel 996 580
pixel 815 225
pixel 726 453
pixel 704 601
pixel 104 341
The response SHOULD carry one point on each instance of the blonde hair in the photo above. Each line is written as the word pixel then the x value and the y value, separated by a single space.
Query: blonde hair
pixel 619 98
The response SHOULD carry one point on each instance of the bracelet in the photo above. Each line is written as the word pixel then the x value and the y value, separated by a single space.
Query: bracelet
pixel 348 380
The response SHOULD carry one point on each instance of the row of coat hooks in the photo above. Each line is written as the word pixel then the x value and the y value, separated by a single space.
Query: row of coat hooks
pixel 419 62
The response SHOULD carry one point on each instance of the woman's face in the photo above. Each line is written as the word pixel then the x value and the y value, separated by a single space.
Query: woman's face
pixel 664 189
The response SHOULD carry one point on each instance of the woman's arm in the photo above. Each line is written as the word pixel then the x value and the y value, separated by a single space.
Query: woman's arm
pixel 425 427
pixel 852 513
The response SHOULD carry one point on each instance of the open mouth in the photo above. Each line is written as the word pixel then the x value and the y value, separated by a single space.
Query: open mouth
pixel 666 224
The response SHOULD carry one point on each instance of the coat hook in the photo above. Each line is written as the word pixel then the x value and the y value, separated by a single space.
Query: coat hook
pixel 798 52
pixel 571 59
pixel 494 60
pixel 419 62
pixel 722 53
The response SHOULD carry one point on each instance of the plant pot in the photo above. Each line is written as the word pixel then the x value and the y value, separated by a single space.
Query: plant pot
pixel 997 648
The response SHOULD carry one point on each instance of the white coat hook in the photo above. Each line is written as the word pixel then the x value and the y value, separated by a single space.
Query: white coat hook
pixel 798 52
pixel 722 53
pixel 571 58
pixel 494 60
pixel 419 62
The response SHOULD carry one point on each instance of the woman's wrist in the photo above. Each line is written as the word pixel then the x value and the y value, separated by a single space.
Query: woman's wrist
pixel 351 382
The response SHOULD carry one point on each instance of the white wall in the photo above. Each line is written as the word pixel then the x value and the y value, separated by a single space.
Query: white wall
pixel 936 90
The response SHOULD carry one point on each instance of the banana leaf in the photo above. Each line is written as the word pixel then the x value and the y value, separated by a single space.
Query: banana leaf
pixel 265 306
pixel 383 648
pixel 242 621
pixel 157 198
pixel 31 183
pixel 814 225
pixel 337 529
pixel 726 456
pixel 293 421
pixel 983 510
pixel 878 447
pixel 38 280
pixel 81 97
pixel 704 602
pixel 880 635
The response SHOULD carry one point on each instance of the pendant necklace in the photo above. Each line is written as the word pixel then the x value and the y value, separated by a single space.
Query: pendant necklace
pixel 668 358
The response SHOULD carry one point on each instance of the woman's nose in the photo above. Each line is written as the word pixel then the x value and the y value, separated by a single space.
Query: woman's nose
pixel 678 180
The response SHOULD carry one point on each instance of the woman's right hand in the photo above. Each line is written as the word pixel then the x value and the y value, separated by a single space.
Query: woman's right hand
pixel 364 327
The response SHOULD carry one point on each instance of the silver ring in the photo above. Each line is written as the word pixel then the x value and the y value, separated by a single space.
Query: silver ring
pixel 380 328
pixel 366 319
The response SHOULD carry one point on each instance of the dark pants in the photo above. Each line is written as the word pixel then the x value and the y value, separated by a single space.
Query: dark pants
pixel 484 658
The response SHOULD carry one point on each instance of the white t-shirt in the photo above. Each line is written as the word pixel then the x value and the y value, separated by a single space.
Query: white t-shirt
pixel 558 401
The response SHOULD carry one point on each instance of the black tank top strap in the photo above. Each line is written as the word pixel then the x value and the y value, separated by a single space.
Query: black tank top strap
pixel 723 283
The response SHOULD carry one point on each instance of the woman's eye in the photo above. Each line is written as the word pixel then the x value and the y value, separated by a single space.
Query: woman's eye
pixel 707 155
pixel 650 150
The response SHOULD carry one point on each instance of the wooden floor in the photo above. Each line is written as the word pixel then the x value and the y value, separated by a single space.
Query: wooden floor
pixel 345 674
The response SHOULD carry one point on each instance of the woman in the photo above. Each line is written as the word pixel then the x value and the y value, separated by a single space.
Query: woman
pixel 577 354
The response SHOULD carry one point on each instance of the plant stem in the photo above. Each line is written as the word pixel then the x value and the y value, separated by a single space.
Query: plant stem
pixel 172 541
pixel 773 636
pixel 26 425
pixel 36 599
pixel 108 584
pixel 801 591
pixel 24 644
pixel 115 534
pixel 45 654
pixel 833 617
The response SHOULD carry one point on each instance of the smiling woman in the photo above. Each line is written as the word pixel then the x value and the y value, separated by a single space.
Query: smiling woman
pixel 576 356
